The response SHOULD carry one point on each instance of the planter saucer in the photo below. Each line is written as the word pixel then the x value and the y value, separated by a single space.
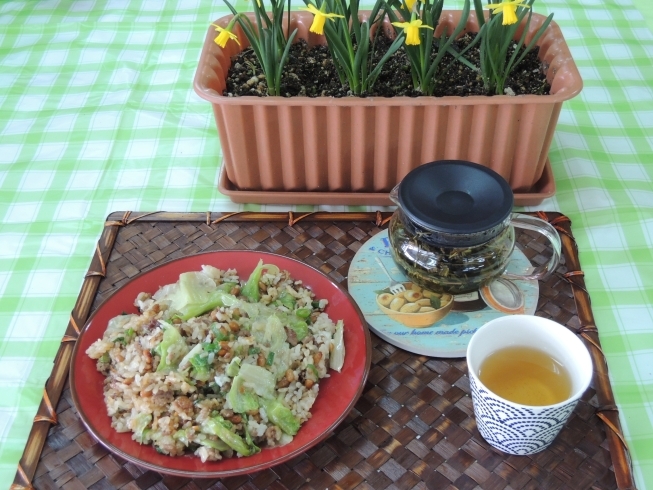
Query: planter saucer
pixel 544 188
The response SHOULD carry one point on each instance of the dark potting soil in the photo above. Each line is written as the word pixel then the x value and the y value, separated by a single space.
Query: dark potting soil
pixel 311 73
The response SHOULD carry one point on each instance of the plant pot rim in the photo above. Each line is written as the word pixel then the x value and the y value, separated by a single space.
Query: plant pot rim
pixel 543 189
pixel 562 59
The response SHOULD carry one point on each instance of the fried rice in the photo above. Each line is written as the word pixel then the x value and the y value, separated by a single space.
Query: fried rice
pixel 215 366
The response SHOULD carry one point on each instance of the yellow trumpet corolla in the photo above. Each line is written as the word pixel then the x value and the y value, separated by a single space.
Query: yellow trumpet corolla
pixel 509 9
pixel 225 35
pixel 412 30
pixel 409 4
pixel 320 19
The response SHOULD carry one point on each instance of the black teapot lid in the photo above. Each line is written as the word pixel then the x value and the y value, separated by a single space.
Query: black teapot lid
pixel 455 197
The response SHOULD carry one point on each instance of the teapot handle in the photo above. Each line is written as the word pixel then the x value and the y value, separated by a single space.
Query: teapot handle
pixel 540 226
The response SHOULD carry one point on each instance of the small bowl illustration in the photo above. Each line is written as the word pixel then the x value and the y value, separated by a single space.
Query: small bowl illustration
pixel 415 307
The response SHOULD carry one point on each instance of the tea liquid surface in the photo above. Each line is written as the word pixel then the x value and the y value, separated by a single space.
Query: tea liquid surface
pixel 525 375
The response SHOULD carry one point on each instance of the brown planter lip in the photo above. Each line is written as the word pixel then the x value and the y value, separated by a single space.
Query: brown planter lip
pixel 561 59
pixel 543 189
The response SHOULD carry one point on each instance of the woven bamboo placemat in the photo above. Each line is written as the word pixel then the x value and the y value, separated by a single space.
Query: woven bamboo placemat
pixel 413 427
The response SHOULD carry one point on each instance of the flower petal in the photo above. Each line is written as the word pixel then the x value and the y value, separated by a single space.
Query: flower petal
pixel 224 36
pixel 318 24
pixel 509 16
pixel 412 36
pixel 310 8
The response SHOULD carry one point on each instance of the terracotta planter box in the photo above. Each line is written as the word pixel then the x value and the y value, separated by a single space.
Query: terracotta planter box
pixel 358 149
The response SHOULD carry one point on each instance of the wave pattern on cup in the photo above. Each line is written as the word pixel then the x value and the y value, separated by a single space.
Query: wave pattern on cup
pixel 517 430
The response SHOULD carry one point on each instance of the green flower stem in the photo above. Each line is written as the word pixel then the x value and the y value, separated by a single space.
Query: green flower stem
pixel 496 40
pixel 348 40
pixel 425 68
pixel 267 40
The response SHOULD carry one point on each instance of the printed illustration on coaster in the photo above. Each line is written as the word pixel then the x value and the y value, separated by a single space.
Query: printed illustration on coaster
pixel 426 322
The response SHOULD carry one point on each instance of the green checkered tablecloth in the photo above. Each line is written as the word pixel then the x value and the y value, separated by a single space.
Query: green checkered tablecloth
pixel 97 114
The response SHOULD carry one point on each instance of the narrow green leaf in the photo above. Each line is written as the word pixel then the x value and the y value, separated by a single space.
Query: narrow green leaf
pixel 344 10
pixel 259 10
pixel 375 12
pixel 354 20
pixel 412 53
pixel 360 57
pixel 459 56
pixel 519 45
pixel 436 12
pixel 393 18
pixel 282 61
pixel 480 13
pixel 342 53
pixel 250 33
pixel 396 44
pixel 536 38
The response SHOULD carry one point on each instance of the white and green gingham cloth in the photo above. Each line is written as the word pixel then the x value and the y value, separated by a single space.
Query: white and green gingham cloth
pixel 98 114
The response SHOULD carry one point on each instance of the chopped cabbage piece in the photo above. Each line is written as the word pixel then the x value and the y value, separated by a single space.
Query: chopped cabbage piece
pixel 258 379
pixel 171 349
pixel 250 289
pixel 216 426
pixel 337 358
pixel 281 416
pixel 241 399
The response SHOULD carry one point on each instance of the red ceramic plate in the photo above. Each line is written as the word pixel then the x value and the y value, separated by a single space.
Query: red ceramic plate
pixel 337 395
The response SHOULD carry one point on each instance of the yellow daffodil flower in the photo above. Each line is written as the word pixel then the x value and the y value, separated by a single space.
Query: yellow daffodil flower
pixel 225 35
pixel 410 3
pixel 412 30
pixel 509 9
pixel 320 18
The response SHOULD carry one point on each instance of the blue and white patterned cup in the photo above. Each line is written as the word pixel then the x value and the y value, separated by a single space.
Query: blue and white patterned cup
pixel 512 427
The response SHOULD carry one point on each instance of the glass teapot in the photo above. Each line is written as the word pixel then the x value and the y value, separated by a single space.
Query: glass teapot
pixel 454 229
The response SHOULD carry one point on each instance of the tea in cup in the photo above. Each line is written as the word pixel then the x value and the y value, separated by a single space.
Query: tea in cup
pixel 526 375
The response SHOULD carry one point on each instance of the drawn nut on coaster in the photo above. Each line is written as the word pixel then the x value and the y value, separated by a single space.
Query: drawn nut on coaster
pixel 412 296
pixel 397 303
pixel 385 299
pixel 415 307
pixel 410 308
